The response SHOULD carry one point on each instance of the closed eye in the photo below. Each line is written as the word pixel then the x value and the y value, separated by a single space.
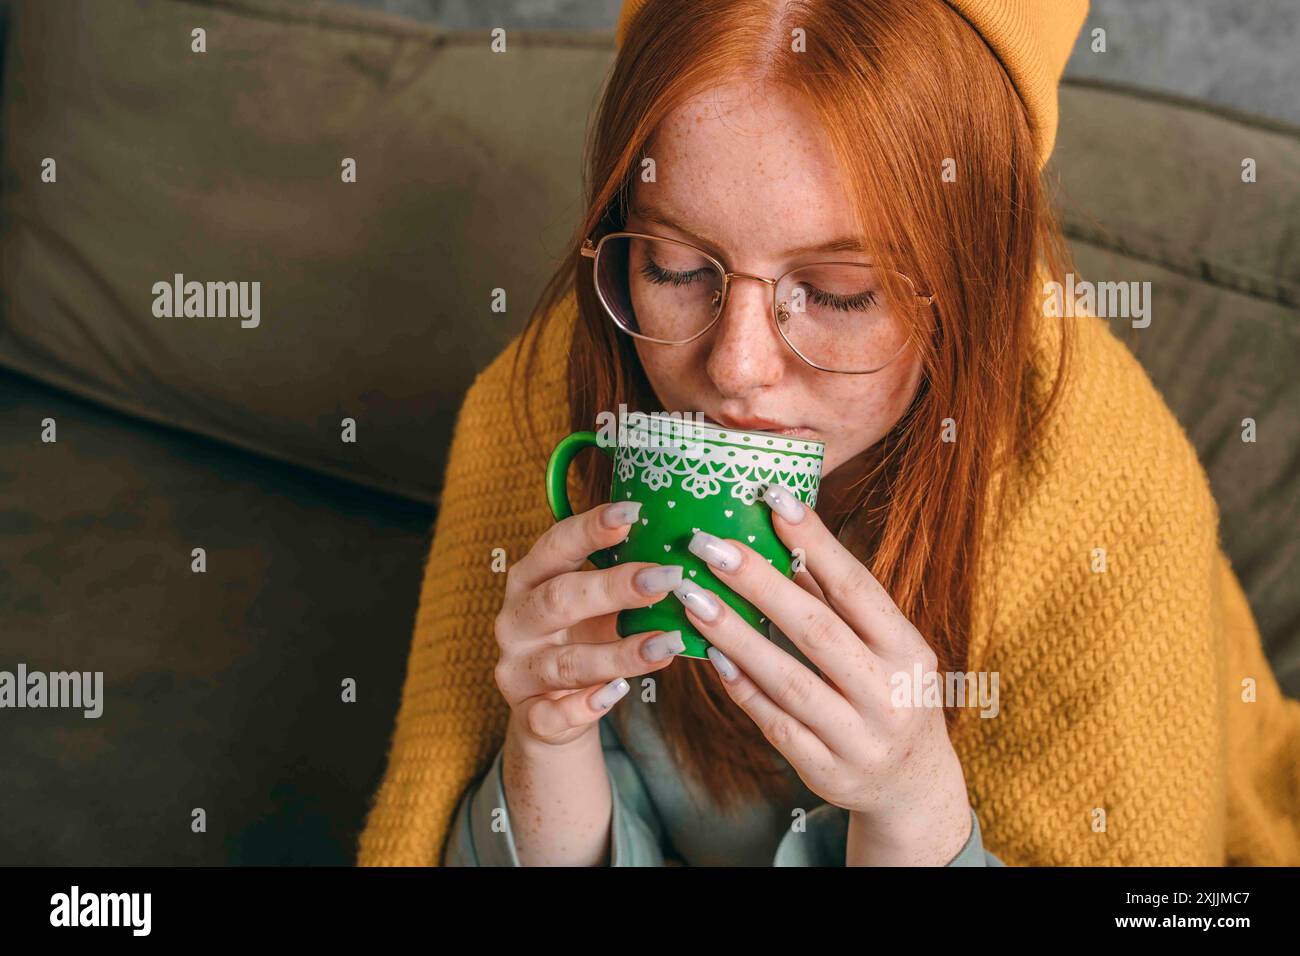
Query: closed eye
pixel 653 273
pixel 859 302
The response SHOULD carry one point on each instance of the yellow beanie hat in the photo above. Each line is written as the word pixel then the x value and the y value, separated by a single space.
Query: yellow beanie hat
pixel 1032 38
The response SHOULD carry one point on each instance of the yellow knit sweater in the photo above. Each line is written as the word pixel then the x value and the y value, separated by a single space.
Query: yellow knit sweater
pixel 1123 736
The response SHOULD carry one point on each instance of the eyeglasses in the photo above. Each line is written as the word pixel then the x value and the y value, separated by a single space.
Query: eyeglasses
pixel 832 314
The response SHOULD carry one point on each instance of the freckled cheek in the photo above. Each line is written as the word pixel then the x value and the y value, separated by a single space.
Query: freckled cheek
pixel 856 408
pixel 868 410
pixel 676 378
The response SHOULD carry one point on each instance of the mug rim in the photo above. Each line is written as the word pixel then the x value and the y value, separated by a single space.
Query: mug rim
pixel 641 424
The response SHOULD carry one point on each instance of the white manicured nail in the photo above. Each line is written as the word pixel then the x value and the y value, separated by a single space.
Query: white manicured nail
pixel 603 698
pixel 704 604
pixel 625 512
pixel 784 503
pixel 722 662
pixel 715 551
pixel 662 646
pixel 657 580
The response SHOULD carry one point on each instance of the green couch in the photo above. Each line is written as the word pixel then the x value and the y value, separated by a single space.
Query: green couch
pixel 224 689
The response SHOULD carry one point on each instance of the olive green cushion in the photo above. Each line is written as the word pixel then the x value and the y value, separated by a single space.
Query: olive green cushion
pixel 376 296
pixel 1152 191
pixel 221 690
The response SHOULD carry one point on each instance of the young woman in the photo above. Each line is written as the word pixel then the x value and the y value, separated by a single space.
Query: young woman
pixel 1004 495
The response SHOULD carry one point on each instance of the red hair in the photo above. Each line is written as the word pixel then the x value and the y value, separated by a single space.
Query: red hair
pixel 905 93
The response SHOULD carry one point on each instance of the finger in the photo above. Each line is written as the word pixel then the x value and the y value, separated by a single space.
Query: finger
pixel 787 682
pixel 806 581
pixel 847 586
pixel 799 743
pixel 562 601
pixel 549 717
pixel 809 584
pixel 565 545
pixel 571 666
pixel 810 624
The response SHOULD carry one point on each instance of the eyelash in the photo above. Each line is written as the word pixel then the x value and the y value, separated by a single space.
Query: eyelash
pixel 653 273
pixel 844 303
pixel 658 276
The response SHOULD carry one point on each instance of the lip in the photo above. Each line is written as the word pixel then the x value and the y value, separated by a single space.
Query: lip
pixel 760 425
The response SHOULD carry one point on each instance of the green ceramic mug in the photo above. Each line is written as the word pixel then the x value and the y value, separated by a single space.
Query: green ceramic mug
pixel 691 475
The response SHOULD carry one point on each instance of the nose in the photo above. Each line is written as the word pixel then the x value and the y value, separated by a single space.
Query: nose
pixel 747 353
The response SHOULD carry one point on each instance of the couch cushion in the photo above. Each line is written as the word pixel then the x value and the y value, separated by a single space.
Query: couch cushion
pixel 1151 191
pixel 224 166
pixel 222 690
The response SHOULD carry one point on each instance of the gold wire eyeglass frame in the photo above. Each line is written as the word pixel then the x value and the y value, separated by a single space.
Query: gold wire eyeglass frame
pixel 779 313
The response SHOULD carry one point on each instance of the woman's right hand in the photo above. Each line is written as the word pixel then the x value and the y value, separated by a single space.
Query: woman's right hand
pixel 562 663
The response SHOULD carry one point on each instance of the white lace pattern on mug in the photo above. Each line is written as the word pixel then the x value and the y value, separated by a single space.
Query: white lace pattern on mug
pixel 705 467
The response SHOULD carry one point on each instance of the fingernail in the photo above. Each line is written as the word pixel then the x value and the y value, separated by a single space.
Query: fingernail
pixel 722 662
pixel 715 551
pixel 784 503
pixel 616 515
pixel 662 646
pixel 704 604
pixel 607 695
pixel 657 580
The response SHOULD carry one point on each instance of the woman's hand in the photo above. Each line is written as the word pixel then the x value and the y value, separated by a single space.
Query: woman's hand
pixel 562 663
pixel 893 768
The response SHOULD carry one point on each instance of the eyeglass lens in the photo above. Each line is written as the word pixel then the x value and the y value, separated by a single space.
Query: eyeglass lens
pixel 833 314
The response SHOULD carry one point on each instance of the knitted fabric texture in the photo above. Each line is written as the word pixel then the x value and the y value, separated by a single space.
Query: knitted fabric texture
pixel 1122 736
pixel 1031 38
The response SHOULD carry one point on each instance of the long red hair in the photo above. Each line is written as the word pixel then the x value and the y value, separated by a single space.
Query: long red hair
pixel 906 92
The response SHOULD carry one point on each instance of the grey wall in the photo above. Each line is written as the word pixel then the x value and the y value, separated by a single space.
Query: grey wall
pixel 1238 53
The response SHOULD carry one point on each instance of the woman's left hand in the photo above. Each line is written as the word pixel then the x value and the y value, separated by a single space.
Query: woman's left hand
pixel 894 768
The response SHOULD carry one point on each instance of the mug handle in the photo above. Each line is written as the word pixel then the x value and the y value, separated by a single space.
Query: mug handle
pixel 557 473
